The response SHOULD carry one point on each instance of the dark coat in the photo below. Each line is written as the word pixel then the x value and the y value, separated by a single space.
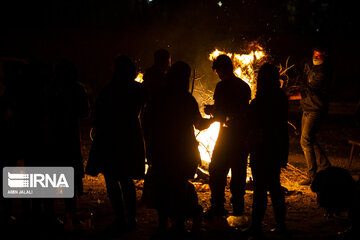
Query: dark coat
pixel 61 125
pixel 231 106
pixel 231 98
pixel 154 81
pixel 173 147
pixel 118 139
pixel 315 88
pixel 269 131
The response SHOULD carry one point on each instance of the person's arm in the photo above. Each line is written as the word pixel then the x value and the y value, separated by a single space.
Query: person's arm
pixel 200 123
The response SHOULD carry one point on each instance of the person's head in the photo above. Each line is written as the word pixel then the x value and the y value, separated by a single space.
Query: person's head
pixel 178 76
pixel 223 66
pixel 320 55
pixel 162 59
pixel 124 68
pixel 268 78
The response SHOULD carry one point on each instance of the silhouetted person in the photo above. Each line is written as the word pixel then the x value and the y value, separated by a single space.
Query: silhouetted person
pixel 315 90
pixel 174 149
pixel 338 192
pixel 154 77
pixel 33 109
pixel 269 146
pixel 232 96
pixel 154 85
pixel 119 141
pixel 67 102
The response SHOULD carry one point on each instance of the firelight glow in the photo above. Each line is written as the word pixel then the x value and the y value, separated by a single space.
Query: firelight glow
pixel 244 64
pixel 139 78
pixel 244 68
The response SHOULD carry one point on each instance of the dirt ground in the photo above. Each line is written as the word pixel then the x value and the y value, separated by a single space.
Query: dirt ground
pixel 305 220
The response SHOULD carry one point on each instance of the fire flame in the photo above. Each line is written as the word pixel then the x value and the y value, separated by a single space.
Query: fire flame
pixel 244 64
pixel 139 78
pixel 207 139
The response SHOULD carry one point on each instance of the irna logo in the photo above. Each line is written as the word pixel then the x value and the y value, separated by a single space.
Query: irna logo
pixel 38 182
pixel 19 180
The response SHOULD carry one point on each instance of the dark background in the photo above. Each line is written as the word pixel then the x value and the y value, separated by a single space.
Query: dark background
pixel 91 33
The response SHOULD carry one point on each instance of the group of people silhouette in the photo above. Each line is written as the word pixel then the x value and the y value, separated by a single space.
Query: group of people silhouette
pixel 150 123
pixel 153 122
pixel 163 113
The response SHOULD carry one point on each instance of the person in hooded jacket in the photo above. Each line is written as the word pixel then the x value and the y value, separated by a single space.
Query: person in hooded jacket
pixel 173 114
pixel 269 146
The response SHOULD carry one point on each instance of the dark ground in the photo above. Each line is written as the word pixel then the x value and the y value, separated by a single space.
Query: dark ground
pixel 304 218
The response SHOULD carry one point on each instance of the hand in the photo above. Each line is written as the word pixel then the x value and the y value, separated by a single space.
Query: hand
pixel 209 109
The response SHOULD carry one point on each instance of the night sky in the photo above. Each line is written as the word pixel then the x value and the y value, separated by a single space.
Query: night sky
pixel 91 33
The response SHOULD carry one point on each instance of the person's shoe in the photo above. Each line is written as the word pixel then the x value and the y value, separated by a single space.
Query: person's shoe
pixel 306 182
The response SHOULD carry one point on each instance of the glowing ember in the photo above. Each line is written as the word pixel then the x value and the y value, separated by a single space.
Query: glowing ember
pixel 139 77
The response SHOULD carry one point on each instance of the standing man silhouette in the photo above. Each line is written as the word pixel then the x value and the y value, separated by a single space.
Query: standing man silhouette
pixel 231 103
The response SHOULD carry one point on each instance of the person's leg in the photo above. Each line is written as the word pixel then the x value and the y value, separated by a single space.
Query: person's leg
pixel 238 182
pixel 116 198
pixel 161 203
pixel 259 202
pixel 309 126
pixel 278 201
pixel 321 156
pixel 217 182
pixel 129 195
pixel 178 207
pixel 162 219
